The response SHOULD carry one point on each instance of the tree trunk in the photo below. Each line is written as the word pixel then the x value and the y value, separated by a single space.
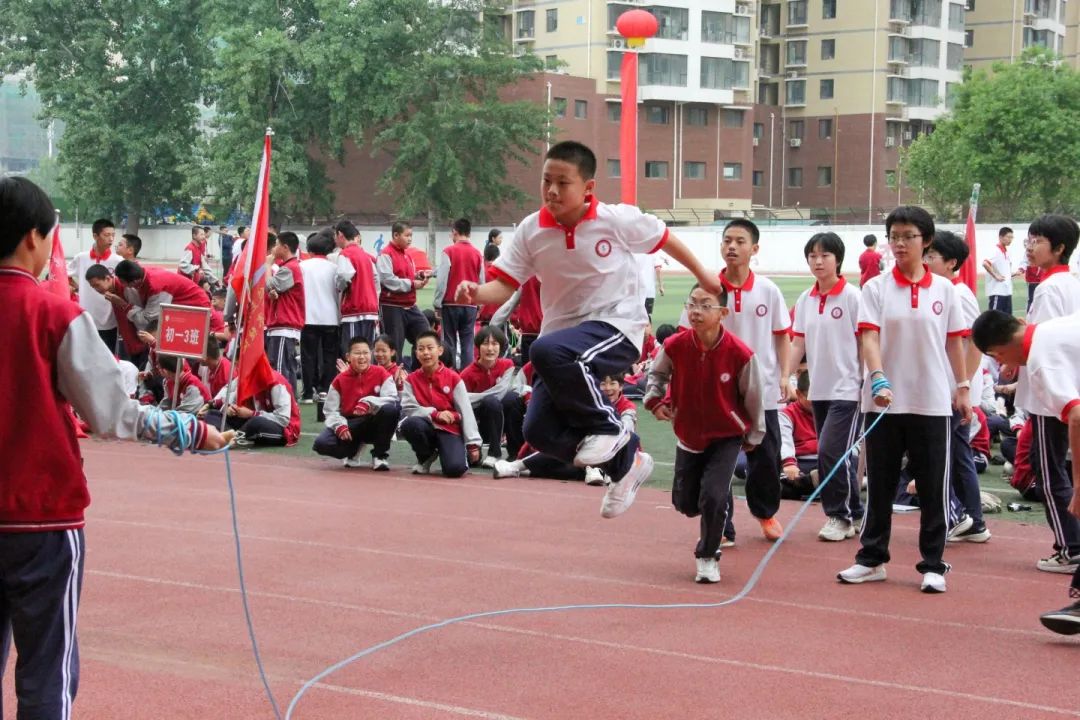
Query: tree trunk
pixel 133 219
pixel 431 236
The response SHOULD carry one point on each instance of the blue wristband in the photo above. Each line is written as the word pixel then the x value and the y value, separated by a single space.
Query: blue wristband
pixel 879 384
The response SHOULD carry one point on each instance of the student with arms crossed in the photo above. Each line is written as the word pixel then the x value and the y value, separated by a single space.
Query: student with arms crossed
pixel 715 407
pixel 907 308
pixel 1048 350
pixel 42 544
pixel 581 250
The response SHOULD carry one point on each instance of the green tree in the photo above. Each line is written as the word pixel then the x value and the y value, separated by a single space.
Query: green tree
pixel 124 75
pixel 1014 131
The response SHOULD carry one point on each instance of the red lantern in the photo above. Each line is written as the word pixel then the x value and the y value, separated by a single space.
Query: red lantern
pixel 636 26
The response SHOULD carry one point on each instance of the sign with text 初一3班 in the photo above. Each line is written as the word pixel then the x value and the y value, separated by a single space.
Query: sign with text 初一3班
pixel 183 331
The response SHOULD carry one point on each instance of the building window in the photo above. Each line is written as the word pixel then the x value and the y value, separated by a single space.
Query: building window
pixel 551 62
pixel 722 74
pixel 614 112
pixel 694 170
pixel 733 171
pixel 656 169
pixel 614 168
pixel 560 107
pixel 662 69
pixel 733 118
pixel 657 114
pixel 614 65
pixel 971 5
pixel 828 9
pixel 824 176
pixel 954 57
pixel 796 12
pixel 759 130
pixel 720 27
pixel 969 38
pixel 526 24
pixel 828 49
pixel 674 22
pixel 697 116
pixel 794 177
pixel 825 90
pixel 759 178
pixel 581 109
pixel 796 129
pixel 552 20
pixel 824 128
pixel 795 92
pixel 956 17
pixel 796 52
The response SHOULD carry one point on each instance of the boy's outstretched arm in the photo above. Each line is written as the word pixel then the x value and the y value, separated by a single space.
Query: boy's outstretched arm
pixel 495 292
pixel 675 248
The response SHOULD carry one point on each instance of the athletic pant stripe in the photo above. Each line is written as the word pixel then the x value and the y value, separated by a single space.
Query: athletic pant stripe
pixel 1044 480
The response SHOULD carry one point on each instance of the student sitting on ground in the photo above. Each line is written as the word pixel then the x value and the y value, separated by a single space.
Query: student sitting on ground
pixel 799 444
pixel 716 406
pixel 271 417
pixel 494 386
pixel 361 406
pixel 192 393
pixel 214 371
pixel 439 421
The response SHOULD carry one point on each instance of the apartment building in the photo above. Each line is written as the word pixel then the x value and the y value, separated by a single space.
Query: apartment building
pixel 1000 30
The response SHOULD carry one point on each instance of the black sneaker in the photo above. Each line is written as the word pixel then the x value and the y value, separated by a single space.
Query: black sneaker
pixel 997 460
pixel 1065 621
pixel 977 533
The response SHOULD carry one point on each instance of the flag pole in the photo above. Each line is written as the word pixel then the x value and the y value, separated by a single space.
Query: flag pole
pixel 256 213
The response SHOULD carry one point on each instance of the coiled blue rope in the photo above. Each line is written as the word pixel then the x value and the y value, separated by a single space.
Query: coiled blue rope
pixel 747 588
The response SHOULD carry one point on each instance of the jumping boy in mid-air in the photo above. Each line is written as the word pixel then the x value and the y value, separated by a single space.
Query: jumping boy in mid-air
pixel 582 251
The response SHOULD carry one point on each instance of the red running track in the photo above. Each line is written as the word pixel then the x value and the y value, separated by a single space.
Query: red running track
pixel 338 560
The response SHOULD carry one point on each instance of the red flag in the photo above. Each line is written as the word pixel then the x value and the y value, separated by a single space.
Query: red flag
pixel 57 284
pixel 628 127
pixel 253 371
pixel 969 271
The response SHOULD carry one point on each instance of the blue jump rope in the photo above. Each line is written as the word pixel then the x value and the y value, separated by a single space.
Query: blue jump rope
pixel 183 440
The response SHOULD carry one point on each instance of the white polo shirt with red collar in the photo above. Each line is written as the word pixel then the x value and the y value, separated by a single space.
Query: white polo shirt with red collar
pixel 829 324
pixel 588 271
pixel 999 260
pixel 1051 349
pixel 756 314
pixel 914 320
pixel 1057 295
pixel 969 306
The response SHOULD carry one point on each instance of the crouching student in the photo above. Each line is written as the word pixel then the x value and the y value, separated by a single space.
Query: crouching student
pixel 271 417
pixel 716 407
pixel 798 444
pixel 439 421
pixel 190 393
pixel 1048 350
pixel 214 371
pixel 361 407
pixel 494 385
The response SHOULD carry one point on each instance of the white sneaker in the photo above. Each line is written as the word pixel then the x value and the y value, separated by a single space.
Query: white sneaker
pixel 598 449
pixel 961 527
pixel 355 461
pixel 836 530
pixel 857 574
pixel 240 440
pixel 507 468
pixel 489 462
pixel 378 463
pixel 620 495
pixel 708 571
pixel 424 468
pixel 307 401
pixel 594 476
pixel 1058 563
pixel 933 583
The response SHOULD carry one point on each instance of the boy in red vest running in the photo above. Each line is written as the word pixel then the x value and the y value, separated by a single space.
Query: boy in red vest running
pixel 401 319
pixel 61 360
pixel 359 286
pixel 716 407
pixel 460 262
pixel 287 310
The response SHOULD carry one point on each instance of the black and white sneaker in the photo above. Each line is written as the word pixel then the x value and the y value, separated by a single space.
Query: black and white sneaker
pixel 976 533
pixel 1065 621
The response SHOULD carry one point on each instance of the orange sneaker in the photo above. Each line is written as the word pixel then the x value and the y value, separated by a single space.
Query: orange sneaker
pixel 771 529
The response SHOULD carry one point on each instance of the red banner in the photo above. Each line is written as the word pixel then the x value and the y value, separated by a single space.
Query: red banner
pixel 183 331
pixel 57 284
pixel 969 271
pixel 628 127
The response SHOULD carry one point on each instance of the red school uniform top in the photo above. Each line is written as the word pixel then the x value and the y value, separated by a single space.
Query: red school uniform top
pixel 465 264
pixel 180 289
pixel 803 432
pixel 528 316
pixel 196 251
pixel 487 311
pixel 426 395
pixel 128 332
pixel 288 310
pixel 360 297
pixel 218 377
pixel 404 268
pixel 352 388
pixel 187 380
pixel 478 378
pixel 265 402
pixel 869 265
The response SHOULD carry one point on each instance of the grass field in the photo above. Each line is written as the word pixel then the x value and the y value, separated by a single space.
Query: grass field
pixel 656 436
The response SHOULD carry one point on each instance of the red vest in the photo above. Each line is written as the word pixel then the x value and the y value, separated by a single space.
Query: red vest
pixel 196 260
pixel 187 379
pixel 477 378
pixel 128 332
pixel 404 268
pixel 288 310
pixel 437 391
pixel 353 388
pixel 218 377
pixel 528 316
pixel 704 389
pixel 183 291
pixel 359 298
pixel 43 485
pixel 803 431
pixel 465 264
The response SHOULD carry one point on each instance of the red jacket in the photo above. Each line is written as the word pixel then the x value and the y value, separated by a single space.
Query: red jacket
pixel 288 311
pixel 182 290
pixel 435 393
pixel 465 264
pixel 197 251
pixel 404 268
pixel 869 265
pixel 264 401
pixel 360 298
pixel 187 380
pixel 477 378
pixel 528 316
pixel 981 442
pixel 218 377
pixel 804 432
pixel 353 388
pixel 128 332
